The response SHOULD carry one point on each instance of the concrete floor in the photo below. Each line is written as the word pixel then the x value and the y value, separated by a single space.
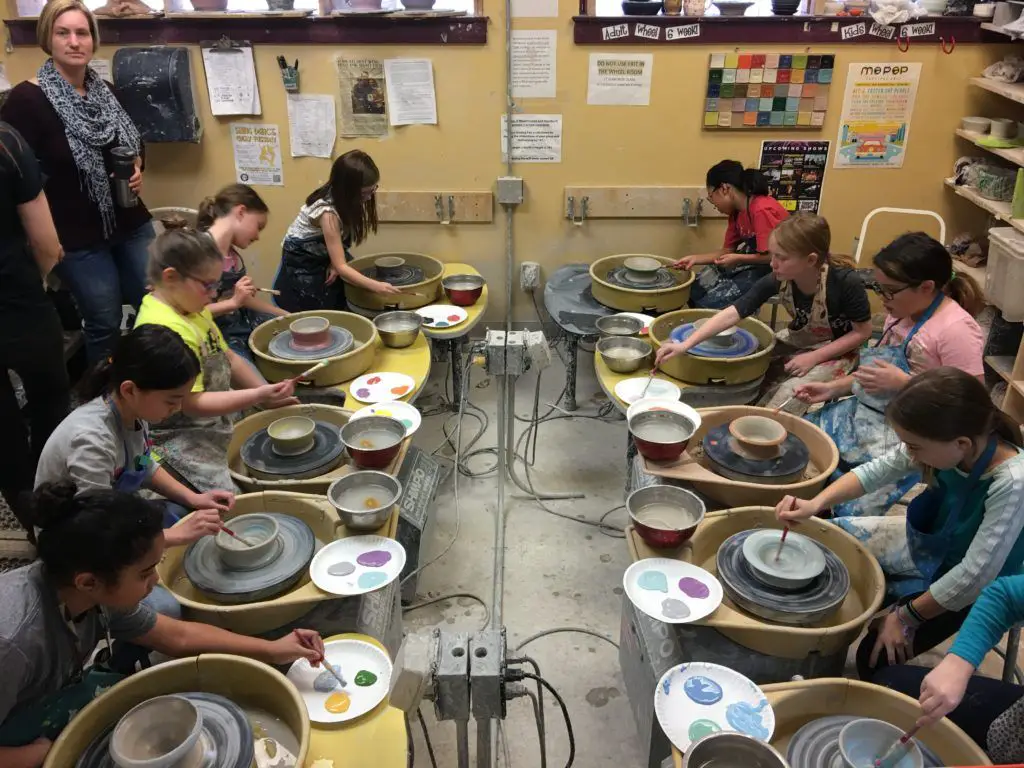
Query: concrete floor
pixel 557 572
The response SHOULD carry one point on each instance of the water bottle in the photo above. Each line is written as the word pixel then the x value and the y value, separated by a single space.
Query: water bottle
pixel 124 169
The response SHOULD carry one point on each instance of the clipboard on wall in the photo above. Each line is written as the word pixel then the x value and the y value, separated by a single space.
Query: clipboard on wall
pixel 231 77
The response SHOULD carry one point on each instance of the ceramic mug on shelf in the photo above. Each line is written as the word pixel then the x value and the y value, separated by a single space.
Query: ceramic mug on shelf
pixel 694 7
pixel 672 7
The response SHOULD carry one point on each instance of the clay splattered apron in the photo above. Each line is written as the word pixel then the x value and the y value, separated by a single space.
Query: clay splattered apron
pixel 302 279
pixel 197 446
pixel 934 536
pixel 237 325
pixel 858 427
pixel 718 287
pixel 816 332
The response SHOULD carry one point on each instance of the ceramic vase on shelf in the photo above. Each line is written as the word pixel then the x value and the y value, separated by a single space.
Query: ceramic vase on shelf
pixel 694 7
pixel 672 7
pixel 208 6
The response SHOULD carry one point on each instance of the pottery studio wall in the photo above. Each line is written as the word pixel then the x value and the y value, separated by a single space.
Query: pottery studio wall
pixel 661 144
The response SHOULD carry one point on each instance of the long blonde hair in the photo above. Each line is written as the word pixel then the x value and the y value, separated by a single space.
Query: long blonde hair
pixel 807 233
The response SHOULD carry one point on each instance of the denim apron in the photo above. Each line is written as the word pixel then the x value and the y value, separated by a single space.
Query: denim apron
pixel 719 287
pixel 237 325
pixel 302 279
pixel 857 425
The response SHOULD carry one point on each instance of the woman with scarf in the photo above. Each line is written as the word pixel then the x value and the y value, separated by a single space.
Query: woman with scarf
pixel 73 121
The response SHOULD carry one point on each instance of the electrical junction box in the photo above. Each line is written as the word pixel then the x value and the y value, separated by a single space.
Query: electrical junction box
pixel 510 190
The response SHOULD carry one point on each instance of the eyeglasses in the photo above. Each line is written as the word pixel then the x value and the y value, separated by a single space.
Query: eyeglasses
pixel 208 287
pixel 887 293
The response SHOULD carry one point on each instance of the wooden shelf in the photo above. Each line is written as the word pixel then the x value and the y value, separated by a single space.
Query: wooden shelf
pixel 1011 91
pixel 997 209
pixel 1001 364
pixel 1014 155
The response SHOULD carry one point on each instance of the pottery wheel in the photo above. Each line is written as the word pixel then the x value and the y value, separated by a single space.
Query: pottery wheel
pixel 226 737
pixel 208 574
pixel 740 344
pixel 816 745
pixel 281 346
pixel 807 605
pixel 661 279
pixel 721 449
pixel 258 453
pixel 403 275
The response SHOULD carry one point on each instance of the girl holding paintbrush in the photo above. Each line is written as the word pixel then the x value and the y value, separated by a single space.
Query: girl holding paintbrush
pixel 958 536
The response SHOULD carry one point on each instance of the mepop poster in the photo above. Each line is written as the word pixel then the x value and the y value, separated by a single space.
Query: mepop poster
pixel 875 123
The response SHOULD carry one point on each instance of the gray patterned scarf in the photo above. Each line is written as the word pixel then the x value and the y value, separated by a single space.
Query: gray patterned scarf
pixel 92 124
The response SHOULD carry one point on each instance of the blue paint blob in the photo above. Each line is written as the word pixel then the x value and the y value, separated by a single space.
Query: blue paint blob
pixel 653 581
pixel 326 682
pixel 372 579
pixel 702 690
pixel 747 719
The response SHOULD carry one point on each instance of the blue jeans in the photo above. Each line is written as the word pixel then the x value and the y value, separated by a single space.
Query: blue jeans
pixel 104 278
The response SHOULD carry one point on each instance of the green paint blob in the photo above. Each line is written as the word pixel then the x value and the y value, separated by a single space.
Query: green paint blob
pixel 364 678
pixel 702 727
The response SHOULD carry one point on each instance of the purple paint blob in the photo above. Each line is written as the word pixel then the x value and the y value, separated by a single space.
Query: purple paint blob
pixel 375 558
pixel 692 587
pixel 362 392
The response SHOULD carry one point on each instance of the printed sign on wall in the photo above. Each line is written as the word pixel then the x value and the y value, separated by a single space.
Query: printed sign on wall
pixel 875 123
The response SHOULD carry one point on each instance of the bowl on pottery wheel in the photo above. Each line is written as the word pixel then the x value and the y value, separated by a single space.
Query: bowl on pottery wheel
pixel 292 435
pixel 310 332
pixel 373 441
pixel 642 269
pixel 364 500
pixel 387 266
pixel 663 515
pixel 463 290
pixel 663 435
pixel 624 354
pixel 728 748
pixel 260 533
pixel 398 329
pixel 160 733
pixel 758 436
pixel 799 563
pixel 619 325
pixel 861 742
pixel 721 339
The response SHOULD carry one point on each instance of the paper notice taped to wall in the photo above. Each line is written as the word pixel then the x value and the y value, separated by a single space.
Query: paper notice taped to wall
pixel 617 78
pixel 535 138
pixel 257 154
pixel 364 106
pixel 410 91
pixel 231 80
pixel 533 63
pixel 312 128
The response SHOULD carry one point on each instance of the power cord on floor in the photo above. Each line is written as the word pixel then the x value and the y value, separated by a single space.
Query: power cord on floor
pixel 538 706
pixel 409 744
pixel 426 738
pixel 450 596
pixel 560 630
pixel 561 704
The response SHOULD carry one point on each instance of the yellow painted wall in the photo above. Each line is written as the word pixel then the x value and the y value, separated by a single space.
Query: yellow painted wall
pixel 660 144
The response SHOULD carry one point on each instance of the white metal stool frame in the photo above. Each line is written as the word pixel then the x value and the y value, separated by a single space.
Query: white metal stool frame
pixel 859 240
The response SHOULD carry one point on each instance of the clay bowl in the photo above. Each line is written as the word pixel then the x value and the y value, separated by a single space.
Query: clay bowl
pixel 758 436
pixel 418 5
pixel 398 329
pixel 642 269
pixel 210 6
pixel 734 749
pixel 619 325
pixel 722 339
pixel 976 124
pixel 861 742
pixel 311 331
pixel 463 290
pixel 1003 128
pixel 373 441
pixel 801 560
pixel 292 435
pixel 160 733
pixel 364 500
pixel 640 7
pixel 663 435
pixel 387 266
pixel 260 531
pixel 663 515
pixel 624 354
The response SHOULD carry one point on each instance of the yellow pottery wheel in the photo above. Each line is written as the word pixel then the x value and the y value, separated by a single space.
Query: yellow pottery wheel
pixel 638 300
pixel 413 296
pixel 712 370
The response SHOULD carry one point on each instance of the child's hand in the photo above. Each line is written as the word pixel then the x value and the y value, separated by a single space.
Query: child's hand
pixel 730 260
pixel 386 288
pixel 222 501
pixel 943 688
pixel 689 262
pixel 814 392
pixel 893 638
pixel 332 275
pixel 667 350
pixel 202 522
pixel 278 395
pixel 245 289
pixel 800 365
pixel 297 644
pixel 881 377
pixel 792 510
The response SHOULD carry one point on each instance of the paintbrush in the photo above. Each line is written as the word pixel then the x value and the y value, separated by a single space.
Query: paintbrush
pixel 650 378
pixel 271 291
pixel 785 402
pixel 306 374
pixel 323 660
pixel 782 542
pixel 235 536
pixel 895 753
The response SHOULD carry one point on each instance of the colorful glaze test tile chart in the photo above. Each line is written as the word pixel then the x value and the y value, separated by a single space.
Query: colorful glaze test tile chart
pixel 767 90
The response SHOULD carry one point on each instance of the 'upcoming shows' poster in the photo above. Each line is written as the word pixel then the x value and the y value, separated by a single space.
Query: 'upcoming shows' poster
pixel 795 171
pixel 875 123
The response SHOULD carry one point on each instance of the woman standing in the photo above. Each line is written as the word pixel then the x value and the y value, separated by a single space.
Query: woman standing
pixel 338 215
pixel 32 343
pixel 73 121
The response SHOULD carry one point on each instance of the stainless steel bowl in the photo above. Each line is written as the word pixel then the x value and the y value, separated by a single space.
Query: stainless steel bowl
pixel 619 325
pixel 732 749
pixel 624 354
pixel 366 518
pixel 398 329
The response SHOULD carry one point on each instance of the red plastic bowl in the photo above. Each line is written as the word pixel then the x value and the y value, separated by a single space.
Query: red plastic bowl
pixel 378 456
pixel 653 448
pixel 688 506
pixel 463 290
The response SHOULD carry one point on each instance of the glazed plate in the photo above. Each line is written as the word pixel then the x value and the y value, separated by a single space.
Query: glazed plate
pixel 381 387
pixel 406 413
pixel 357 565
pixel 630 390
pixel 283 568
pixel 366 670
pixel 281 346
pixel 695 699
pixel 799 561
pixel 740 343
pixel 442 315
pixel 226 736
pixel 816 745
pixel 671 591
pixel 258 454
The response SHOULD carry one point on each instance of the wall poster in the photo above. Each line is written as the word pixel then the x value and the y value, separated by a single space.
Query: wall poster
pixel 875 123
pixel 795 171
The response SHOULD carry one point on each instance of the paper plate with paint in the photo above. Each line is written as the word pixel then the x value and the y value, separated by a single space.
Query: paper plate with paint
pixel 671 591
pixel 645 319
pixel 381 387
pixel 442 315
pixel 406 413
pixel 698 698
pixel 364 667
pixel 631 390
pixel 357 565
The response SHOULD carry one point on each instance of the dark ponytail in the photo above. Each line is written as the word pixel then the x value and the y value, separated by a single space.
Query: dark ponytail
pixel 221 204
pixel 98 532
pixel 915 257
pixel 750 181
pixel 152 356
